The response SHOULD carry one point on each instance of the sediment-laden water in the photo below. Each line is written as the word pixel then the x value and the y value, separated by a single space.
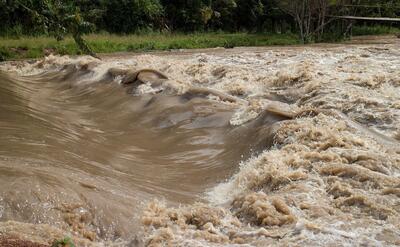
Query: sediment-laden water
pixel 256 147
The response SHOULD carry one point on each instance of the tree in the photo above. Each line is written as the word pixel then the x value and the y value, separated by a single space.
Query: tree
pixel 59 18
pixel 128 16
pixel 249 13
pixel 188 15
pixel 311 16
pixel 223 14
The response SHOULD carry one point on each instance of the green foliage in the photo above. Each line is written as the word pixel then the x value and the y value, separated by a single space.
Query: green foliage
pixel 65 242
pixel 129 16
pixel 249 13
pixel 57 18
pixel 4 54
pixel 69 18
pixel 61 17
pixel 33 47
pixel 375 30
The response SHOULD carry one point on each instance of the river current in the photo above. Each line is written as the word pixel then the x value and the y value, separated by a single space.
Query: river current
pixel 285 146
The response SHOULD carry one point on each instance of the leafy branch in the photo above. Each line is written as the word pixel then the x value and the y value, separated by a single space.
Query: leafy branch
pixel 59 19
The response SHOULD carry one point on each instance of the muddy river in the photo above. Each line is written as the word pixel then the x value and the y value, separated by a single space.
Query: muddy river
pixel 279 146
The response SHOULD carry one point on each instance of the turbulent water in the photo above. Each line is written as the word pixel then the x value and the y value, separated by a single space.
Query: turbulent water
pixel 256 147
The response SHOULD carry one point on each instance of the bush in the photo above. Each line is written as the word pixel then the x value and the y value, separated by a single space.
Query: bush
pixel 4 54
pixel 66 242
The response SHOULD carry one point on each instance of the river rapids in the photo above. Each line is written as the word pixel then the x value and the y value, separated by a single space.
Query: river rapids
pixel 294 146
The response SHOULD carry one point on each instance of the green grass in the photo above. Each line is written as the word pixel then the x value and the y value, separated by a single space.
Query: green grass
pixel 65 242
pixel 374 30
pixel 34 47
pixel 38 46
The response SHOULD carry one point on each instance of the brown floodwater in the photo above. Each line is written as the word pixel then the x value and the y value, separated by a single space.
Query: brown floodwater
pixel 87 154
pixel 283 146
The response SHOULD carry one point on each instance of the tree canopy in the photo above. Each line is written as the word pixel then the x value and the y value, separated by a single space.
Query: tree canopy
pixel 309 18
pixel 130 16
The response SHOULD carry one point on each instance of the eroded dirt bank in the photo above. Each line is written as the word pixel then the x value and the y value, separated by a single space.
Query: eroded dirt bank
pixel 325 169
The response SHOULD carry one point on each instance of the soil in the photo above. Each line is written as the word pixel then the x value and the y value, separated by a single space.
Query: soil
pixel 8 241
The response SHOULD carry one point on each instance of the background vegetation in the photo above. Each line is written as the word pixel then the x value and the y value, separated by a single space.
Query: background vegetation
pixel 166 24
pixel 33 47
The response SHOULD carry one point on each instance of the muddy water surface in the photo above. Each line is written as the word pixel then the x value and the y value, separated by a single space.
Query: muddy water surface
pixel 88 153
pixel 292 146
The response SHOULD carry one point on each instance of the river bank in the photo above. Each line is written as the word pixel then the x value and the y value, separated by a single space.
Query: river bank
pixel 35 47
pixel 27 47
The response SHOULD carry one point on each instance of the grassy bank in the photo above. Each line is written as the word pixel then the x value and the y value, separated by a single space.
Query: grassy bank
pixel 375 30
pixel 33 47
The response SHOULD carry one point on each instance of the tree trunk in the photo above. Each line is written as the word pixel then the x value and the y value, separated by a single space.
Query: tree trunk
pixel 82 45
